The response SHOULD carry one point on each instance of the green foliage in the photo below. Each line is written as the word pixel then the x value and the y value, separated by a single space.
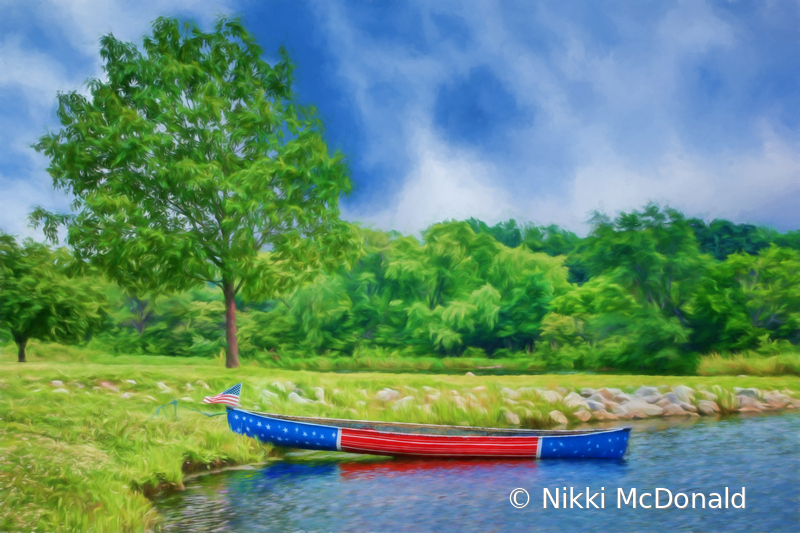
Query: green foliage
pixel 41 299
pixel 189 158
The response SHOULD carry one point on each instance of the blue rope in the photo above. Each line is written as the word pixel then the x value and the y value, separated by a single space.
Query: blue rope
pixel 175 404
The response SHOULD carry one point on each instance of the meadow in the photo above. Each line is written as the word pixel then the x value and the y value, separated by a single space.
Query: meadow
pixel 80 451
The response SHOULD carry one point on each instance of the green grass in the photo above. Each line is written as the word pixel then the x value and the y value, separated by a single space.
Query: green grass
pixel 89 459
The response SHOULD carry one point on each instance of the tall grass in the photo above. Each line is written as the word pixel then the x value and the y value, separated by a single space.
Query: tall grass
pixel 89 458
pixel 750 365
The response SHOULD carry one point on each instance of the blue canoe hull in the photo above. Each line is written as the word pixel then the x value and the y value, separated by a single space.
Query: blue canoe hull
pixel 424 440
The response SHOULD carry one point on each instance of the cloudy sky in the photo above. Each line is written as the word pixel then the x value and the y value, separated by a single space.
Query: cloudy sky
pixel 542 112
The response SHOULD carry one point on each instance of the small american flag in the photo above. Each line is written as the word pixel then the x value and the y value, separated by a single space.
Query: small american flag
pixel 228 396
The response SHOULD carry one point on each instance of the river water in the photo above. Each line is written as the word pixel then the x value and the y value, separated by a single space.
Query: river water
pixel 759 453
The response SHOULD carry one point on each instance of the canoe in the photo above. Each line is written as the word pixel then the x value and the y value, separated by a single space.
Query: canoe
pixel 426 440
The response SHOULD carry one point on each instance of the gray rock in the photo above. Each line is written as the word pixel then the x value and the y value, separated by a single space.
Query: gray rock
pixel 776 400
pixel 57 383
pixel 749 404
pixel 319 394
pixel 672 397
pixel 509 393
pixel 296 398
pixel 61 391
pixel 511 418
pixel 602 414
pixel 558 417
pixel 674 410
pixel 403 402
pixel 652 398
pixel 573 400
pixel 586 392
pixel 470 374
pixel 597 397
pixel 646 391
pixel 583 415
pixel 606 393
pixel 622 398
pixel 562 391
pixel 751 392
pixel 269 395
pixel 642 409
pixel 707 407
pixel 684 393
pixel 550 396
pixel 595 406
pixel 387 395
pixel 708 395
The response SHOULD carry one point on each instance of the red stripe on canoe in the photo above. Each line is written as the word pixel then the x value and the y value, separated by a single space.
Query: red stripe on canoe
pixel 378 442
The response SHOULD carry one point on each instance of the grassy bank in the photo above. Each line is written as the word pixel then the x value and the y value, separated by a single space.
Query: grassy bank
pixel 82 453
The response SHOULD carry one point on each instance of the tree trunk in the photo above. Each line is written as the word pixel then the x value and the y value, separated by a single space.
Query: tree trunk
pixel 232 350
pixel 21 350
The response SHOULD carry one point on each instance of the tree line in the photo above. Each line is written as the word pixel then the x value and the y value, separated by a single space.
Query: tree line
pixel 650 290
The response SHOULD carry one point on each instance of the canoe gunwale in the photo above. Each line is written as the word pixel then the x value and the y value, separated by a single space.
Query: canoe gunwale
pixel 409 428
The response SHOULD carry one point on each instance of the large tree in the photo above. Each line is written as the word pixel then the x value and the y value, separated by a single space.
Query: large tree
pixel 40 298
pixel 191 158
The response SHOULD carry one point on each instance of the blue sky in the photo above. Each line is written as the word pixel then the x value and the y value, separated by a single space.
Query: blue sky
pixel 542 112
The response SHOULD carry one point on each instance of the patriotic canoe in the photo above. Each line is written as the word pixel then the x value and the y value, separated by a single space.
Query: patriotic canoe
pixel 426 440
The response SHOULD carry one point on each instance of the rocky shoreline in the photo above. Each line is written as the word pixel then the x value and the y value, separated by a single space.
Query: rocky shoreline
pixel 560 406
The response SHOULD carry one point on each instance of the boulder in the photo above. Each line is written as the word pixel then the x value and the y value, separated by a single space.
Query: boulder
pixel 470 374
pixel 278 385
pixel 460 402
pixel 646 391
pixel 707 407
pixel 602 414
pixel 595 406
pixel 685 394
pixel 748 404
pixel 573 400
pixel 430 398
pixel 558 417
pixel 606 393
pixel 550 396
pixel 511 418
pixel 663 402
pixel 622 413
pixel 672 397
pixel 642 409
pixel 652 398
pixel 509 393
pixel 387 395
pixel 751 392
pixel 403 402
pixel 319 394
pixel 268 395
pixel 527 402
pixel 776 400
pixel 586 392
pixel 708 395
pixel 57 383
pixel 622 398
pixel 509 401
pixel 126 395
pixel 110 386
pixel 583 415
pixel 61 391
pixel 597 397
pixel 296 398
pixel 562 391
pixel 674 410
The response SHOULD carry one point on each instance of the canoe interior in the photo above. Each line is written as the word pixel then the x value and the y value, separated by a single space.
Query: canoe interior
pixel 431 429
